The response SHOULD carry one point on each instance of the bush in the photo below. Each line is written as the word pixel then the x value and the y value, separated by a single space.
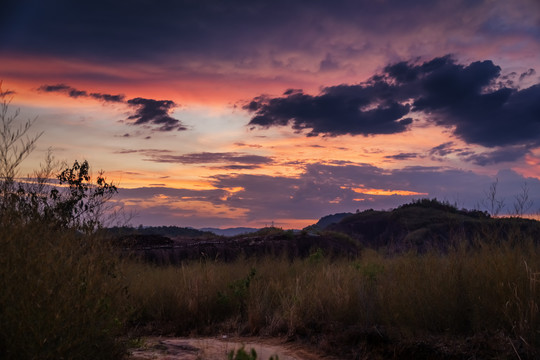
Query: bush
pixel 62 293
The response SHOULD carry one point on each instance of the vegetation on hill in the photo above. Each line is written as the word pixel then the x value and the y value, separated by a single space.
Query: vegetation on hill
pixel 176 231
pixel 266 242
pixel 168 231
pixel 426 224
pixel 327 220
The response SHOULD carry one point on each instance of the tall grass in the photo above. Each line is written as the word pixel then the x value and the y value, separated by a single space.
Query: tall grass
pixel 491 289
pixel 62 295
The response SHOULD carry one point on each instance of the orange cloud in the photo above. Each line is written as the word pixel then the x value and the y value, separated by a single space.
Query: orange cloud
pixel 386 192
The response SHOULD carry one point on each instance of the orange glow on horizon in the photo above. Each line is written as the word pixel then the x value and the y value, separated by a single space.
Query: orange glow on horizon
pixel 384 192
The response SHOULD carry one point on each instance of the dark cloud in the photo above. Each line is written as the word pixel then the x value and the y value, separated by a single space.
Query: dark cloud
pixel 527 73
pixel 467 99
pixel 155 112
pixel 134 30
pixel 107 97
pixel 443 149
pixel 402 156
pixel 68 90
pixel 500 155
pixel 210 158
pixel 147 111
pixel 338 110
pixel 470 99
pixel 234 160
pixel 506 154
pixel 146 152
pixel 236 167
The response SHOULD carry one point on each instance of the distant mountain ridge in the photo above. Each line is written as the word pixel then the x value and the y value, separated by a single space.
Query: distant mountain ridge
pixel 419 226
pixel 230 231
pixel 168 231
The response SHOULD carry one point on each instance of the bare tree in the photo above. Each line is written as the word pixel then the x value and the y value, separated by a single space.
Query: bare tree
pixel 492 203
pixel 15 143
pixel 522 203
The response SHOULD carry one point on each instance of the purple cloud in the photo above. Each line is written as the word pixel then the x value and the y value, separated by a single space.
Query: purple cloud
pixel 325 189
pixel 147 111
pixel 469 98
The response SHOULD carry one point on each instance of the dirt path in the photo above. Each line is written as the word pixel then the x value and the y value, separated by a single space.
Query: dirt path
pixel 164 348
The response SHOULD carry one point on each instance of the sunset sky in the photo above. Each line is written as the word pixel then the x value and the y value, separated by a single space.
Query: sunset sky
pixel 244 113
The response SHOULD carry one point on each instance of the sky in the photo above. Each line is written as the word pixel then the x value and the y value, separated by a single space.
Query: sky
pixel 251 113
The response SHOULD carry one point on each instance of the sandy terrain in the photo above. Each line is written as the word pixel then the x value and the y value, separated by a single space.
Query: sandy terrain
pixel 164 348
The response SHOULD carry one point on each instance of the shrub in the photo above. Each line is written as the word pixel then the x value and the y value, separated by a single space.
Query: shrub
pixel 62 291
pixel 63 295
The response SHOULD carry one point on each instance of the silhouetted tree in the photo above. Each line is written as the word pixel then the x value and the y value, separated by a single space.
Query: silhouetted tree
pixel 68 200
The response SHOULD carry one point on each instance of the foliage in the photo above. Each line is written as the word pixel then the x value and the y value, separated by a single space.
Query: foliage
pixel 242 354
pixel 15 144
pixel 169 231
pixel 443 206
pixel 62 291
pixel 271 231
pixel 75 203
pixel 63 295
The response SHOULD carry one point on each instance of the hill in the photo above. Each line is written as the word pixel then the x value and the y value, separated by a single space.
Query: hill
pixel 328 220
pixel 429 224
pixel 269 241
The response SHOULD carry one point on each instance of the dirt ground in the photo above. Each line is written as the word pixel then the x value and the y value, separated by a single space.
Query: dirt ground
pixel 168 348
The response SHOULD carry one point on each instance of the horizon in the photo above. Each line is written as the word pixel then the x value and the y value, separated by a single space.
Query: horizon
pixel 242 114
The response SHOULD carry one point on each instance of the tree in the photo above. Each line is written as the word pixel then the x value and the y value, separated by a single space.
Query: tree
pixel 492 202
pixel 15 144
pixel 68 200
pixel 522 202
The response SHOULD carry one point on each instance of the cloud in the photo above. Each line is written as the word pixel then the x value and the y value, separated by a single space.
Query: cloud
pixel 241 144
pixel 329 63
pixel 155 112
pixel 211 158
pixel 232 29
pixel 443 149
pixel 75 93
pixel 471 99
pixel 236 167
pixel 145 193
pixel 147 111
pixel 234 160
pixel 320 189
pixel 324 189
pixel 468 99
pixel 506 154
pixel 402 156
pixel 526 74
pixel 337 110
pixel 107 97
